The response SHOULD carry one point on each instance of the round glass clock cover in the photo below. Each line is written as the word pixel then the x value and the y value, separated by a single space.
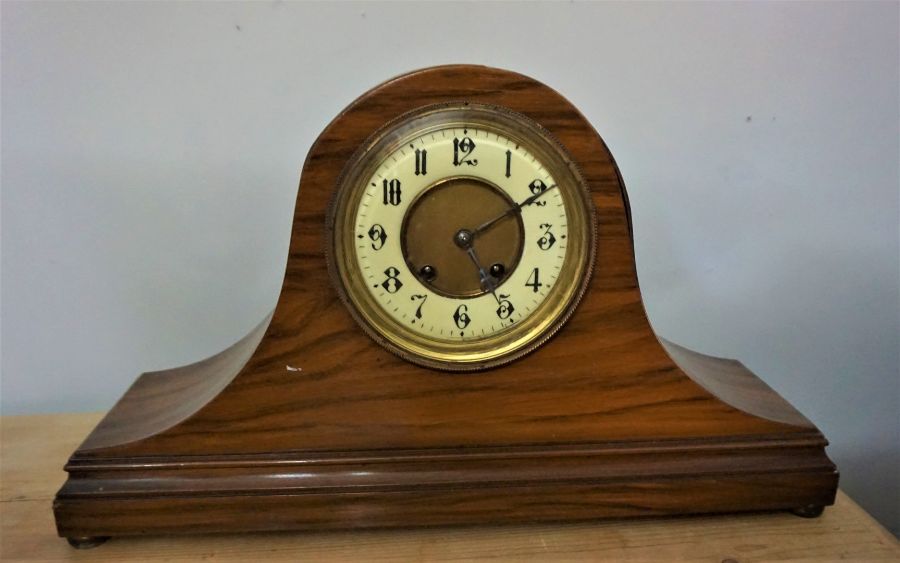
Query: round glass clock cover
pixel 462 236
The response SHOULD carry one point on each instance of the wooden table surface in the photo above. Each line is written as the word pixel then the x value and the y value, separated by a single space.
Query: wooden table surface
pixel 34 449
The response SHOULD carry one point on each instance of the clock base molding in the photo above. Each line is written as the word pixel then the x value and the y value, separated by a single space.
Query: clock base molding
pixel 309 423
pixel 339 490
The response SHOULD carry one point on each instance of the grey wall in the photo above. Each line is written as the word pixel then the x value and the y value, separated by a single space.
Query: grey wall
pixel 150 155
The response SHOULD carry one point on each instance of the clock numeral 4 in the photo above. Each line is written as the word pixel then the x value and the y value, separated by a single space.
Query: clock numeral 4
pixel 392 284
pixel 461 317
pixel 462 151
pixel 547 240
pixel 534 280
pixel 391 191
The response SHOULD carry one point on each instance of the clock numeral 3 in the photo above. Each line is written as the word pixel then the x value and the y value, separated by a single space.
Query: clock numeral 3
pixel 505 308
pixel 536 187
pixel 535 275
pixel 461 317
pixel 462 150
pixel 391 192
pixel 378 236
pixel 547 240
pixel 392 284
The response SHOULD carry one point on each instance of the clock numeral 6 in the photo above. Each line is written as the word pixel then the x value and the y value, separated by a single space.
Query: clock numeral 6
pixel 505 308
pixel 461 317
pixel 547 240
pixel 391 192
pixel 378 235
pixel 533 280
pixel 392 284
pixel 462 150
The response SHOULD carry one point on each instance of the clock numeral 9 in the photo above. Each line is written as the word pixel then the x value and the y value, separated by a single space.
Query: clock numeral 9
pixel 461 317
pixel 391 192
pixel 462 150
pixel 535 275
pixel 392 284
pixel 378 235
pixel 537 186
pixel 547 240
pixel 505 308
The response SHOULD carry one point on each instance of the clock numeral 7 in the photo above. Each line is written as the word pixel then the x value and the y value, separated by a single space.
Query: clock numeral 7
pixel 391 192
pixel 423 298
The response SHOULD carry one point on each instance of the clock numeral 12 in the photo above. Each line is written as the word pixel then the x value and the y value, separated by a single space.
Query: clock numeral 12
pixel 462 150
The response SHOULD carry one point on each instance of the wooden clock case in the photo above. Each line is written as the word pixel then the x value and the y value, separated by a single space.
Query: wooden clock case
pixel 306 423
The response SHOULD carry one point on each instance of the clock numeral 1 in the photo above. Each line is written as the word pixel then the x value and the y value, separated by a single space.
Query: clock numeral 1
pixel 461 317
pixel 505 308
pixel 508 162
pixel 421 162
pixel 392 284
pixel 535 275
pixel 391 192
pixel 547 240
pixel 462 150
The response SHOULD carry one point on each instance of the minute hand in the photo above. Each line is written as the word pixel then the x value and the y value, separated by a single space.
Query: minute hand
pixel 517 208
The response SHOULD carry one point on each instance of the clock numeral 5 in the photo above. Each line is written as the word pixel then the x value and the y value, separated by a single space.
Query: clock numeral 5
pixel 391 191
pixel 505 308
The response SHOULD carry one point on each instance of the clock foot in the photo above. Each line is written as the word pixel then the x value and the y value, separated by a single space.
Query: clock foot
pixel 809 511
pixel 87 542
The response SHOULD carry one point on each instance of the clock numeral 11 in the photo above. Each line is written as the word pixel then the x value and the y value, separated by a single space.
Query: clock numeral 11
pixel 421 162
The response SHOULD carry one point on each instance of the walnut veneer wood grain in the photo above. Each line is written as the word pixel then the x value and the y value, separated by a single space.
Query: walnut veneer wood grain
pixel 600 421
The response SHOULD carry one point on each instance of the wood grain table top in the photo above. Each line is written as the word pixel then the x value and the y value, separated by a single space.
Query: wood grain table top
pixel 35 448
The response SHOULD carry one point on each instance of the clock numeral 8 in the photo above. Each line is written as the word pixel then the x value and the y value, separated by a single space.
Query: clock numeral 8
pixel 392 284
pixel 461 317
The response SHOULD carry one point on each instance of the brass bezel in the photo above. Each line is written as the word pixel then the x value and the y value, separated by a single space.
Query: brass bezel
pixel 516 340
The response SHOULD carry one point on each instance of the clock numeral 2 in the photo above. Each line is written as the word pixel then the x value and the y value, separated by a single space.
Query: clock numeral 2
pixel 391 192
pixel 462 150
pixel 392 284
pixel 421 162
pixel 461 317
pixel 535 275
pixel 537 186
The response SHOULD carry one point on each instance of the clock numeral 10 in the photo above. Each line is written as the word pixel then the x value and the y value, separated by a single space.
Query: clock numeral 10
pixel 391 191
pixel 534 280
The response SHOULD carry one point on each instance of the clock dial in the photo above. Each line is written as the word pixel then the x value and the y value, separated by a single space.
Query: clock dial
pixel 462 237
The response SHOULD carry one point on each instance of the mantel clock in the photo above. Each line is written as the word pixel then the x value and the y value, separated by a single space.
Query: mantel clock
pixel 459 338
